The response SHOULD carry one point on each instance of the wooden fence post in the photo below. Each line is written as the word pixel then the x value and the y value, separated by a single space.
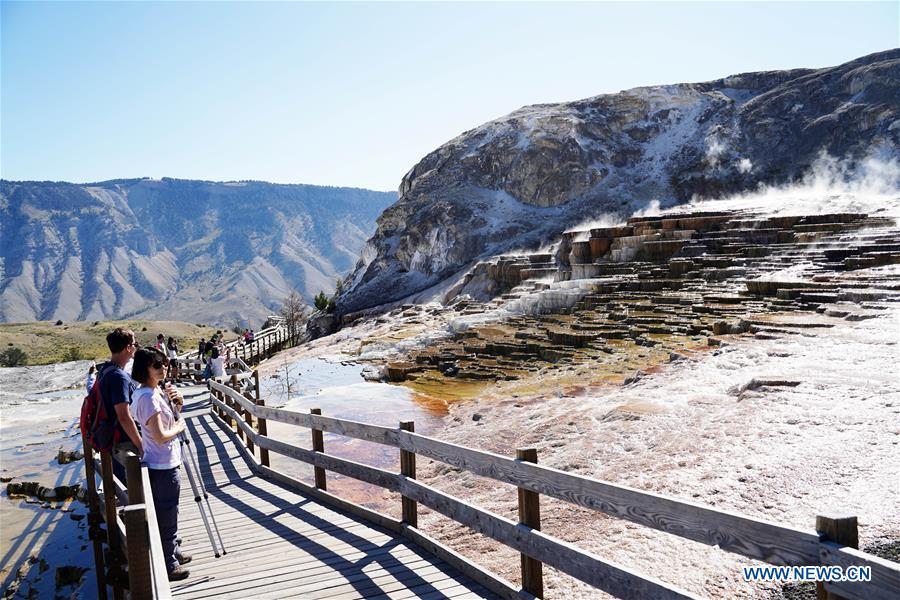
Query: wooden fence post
pixel 248 419
pixel 94 530
pixel 223 398
pixel 530 516
pixel 260 423
pixel 234 404
pixel 133 479
pixel 139 574
pixel 112 530
pixel 408 469
pixel 840 529
pixel 318 443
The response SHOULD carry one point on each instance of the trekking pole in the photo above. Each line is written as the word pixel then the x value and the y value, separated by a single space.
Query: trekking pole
pixel 192 458
pixel 190 474
pixel 192 469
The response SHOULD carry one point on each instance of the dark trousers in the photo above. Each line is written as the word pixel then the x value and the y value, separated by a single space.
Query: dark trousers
pixel 166 486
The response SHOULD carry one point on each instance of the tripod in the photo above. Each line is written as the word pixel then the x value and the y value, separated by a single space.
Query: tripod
pixel 191 467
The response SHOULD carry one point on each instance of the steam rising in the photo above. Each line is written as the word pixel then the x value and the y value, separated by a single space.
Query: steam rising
pixel 871 185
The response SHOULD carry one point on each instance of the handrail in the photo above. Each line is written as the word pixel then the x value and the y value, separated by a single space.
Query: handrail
pixel 132 527
pixel 159 573
pixel 740 534
pixel 261 335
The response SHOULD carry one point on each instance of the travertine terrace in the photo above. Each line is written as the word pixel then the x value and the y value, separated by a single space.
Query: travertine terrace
pixel 625 298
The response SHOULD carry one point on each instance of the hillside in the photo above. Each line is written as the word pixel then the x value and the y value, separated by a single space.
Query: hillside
pixel 521 180
pixel 160 249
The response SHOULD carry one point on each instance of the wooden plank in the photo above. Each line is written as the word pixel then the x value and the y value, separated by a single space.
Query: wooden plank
pixel 885 583
pixel 370 515
pixel 305 561
pixel 373 475
pixel 337 585
pixel 453 587
pixel 268 507
pixel 161 588
pixel 237 523
pixel 578 563
pixel 133 478
pixel 140 581
pixel 344 427
pixel 337 541
pixel 248 419
pixel 359 533
pixel 300 560
pixel 362 431
pixel 457 590
pixel 494 583
pixel 743 535
pixel 283 578
pixel 424 581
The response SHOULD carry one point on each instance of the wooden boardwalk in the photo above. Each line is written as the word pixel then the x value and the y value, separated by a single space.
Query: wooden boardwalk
pixel 286 539
pixel 282 544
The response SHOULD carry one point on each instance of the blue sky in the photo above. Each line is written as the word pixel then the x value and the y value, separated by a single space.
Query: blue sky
pixel 356 93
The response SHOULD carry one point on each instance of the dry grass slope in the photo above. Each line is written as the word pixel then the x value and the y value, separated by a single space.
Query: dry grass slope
pixel 45 342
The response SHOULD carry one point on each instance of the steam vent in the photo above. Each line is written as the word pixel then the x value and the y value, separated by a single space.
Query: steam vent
pixel 619 299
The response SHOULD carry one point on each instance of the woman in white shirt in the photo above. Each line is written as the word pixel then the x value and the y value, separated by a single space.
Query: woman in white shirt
pixel 217 363
pixel 157 416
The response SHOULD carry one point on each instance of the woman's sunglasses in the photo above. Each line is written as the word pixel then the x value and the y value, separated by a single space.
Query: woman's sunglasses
pixel 158 364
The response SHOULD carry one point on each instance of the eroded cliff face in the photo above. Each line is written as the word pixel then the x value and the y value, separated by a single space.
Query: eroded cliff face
pixel 519 181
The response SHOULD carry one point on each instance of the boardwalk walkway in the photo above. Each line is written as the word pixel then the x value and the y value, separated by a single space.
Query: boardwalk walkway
pixel 281 544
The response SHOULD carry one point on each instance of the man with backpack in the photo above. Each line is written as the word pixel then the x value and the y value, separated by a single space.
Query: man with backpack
pixel 115 390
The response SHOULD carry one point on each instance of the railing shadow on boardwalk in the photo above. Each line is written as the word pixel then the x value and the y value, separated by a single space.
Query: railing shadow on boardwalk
pixel 352 571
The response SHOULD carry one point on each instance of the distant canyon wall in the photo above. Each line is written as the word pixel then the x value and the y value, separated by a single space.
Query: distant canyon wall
pixel 174 249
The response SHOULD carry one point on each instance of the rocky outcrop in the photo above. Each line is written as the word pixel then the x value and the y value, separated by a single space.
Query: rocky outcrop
pixel 518 182
pixel 192 250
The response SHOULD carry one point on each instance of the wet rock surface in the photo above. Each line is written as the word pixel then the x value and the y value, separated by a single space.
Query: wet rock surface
pixel 631 304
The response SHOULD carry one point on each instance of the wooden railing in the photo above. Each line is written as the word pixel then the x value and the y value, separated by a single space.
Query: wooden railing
pixel 131 534
pixel 829 544
pixel 266 343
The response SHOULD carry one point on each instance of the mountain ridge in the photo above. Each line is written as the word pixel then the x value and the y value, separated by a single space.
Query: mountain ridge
pixel 208 251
